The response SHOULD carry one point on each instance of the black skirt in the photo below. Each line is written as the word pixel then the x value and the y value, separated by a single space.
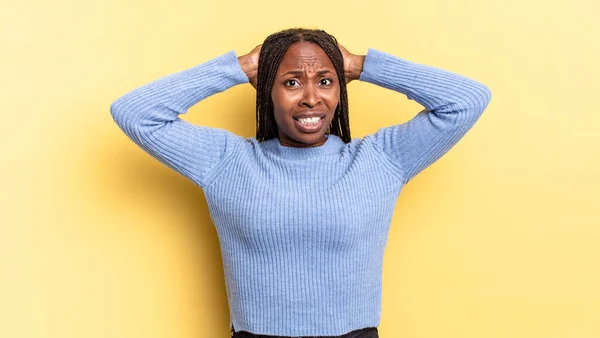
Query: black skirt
pixel 369 332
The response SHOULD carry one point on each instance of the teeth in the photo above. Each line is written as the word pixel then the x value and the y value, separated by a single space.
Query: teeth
pixel 310 120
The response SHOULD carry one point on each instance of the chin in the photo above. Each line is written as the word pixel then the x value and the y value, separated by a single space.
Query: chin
pixel 303 139
pixel 316 138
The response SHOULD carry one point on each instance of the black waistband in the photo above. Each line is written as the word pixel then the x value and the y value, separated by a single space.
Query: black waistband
pixel 369 332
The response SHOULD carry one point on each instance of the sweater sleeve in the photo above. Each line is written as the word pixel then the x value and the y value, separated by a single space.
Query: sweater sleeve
pixel 149 116
pixel 453 103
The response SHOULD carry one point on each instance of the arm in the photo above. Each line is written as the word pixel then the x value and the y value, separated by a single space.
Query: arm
pixel 149 116
pixel 453 103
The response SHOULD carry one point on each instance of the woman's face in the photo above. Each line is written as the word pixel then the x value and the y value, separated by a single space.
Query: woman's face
pixel 305 95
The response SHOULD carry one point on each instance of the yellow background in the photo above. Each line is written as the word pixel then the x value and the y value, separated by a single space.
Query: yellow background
pixel 499 238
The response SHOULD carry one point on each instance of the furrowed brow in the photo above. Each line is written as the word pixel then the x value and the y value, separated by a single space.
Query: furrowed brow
pixel 322 72
pixel 293 72
pixel 300 72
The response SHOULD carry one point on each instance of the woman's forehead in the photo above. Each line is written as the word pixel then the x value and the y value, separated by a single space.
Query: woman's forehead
pixel 307 56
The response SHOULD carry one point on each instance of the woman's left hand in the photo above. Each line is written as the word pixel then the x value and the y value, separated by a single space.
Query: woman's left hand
pixel 353 64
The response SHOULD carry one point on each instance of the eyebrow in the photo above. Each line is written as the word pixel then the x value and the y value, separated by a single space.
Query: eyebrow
pixel 300 72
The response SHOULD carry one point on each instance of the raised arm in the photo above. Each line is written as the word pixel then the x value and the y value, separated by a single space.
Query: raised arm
pixel 453 103
pixel 149 116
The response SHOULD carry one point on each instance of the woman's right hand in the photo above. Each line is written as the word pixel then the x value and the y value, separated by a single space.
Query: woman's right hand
pixel 249 64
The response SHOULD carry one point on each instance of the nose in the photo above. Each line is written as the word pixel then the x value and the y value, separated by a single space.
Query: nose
pixel 310 97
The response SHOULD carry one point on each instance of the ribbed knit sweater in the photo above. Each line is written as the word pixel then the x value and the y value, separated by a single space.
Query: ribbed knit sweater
pixel 302 230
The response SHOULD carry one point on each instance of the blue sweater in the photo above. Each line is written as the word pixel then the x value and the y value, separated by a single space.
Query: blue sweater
pixel 302 230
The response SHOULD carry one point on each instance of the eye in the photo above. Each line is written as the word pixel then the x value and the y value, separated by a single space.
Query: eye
pixel 291 83
pixel 326 82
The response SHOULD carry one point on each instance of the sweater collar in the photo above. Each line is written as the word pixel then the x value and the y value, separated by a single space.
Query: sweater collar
pixel 333 145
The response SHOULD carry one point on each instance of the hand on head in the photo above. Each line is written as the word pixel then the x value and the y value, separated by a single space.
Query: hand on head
pixel 353 64
pixel 249 64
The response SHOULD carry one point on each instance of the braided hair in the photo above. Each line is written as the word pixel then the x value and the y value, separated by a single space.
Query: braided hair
pixel 271 53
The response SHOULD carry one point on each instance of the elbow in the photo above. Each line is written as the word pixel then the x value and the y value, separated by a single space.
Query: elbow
pixel 476 99
pixel 116 109
pixel 481 98
pixel 119 110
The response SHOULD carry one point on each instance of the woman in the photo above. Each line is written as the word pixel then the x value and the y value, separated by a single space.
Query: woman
pixel 302 211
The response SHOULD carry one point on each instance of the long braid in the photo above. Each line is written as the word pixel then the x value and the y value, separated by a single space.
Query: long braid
pixel 272 51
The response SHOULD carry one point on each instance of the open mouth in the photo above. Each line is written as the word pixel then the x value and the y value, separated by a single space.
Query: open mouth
pixel 309 124
pixel 309 120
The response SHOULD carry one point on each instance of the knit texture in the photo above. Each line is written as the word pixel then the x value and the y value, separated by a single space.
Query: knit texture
pixel 302 230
